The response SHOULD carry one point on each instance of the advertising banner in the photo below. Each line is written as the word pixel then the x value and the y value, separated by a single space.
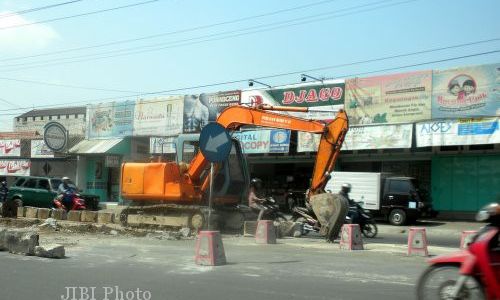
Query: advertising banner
pixel 159 116
pixel 466 92
pixel 39 149
pixel 204 108
pixel 458 132
pixel 20 167
pixel 264 141
pixel 378 137
pixel 322 99
pixel 10 147
pixel 397 98
pixel 110 119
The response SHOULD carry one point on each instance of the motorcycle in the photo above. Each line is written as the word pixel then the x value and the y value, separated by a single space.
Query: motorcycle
pixel 77 203
pixel 307 218
pixel 473 273
pixel 363 218
pixel 272 210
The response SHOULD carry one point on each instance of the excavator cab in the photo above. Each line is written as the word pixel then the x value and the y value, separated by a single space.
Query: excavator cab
pixel 231 177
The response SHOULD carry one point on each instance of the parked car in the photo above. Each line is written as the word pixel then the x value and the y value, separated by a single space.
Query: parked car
pixel 41 191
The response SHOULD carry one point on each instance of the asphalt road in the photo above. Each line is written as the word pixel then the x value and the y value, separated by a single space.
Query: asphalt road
pixel 152 268
pixel 164 269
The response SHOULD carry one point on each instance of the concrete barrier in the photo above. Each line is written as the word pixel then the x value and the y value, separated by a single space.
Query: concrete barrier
pixel 50 251
pixel 89 216
pixel 31 212
pixel 59 214
pixel 21 212
pixel 20 241
pixel 74 215
pixel 105 217
pixel 43 213
pixel 249 228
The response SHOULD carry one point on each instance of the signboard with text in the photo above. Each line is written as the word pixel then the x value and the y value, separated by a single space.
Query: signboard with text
pixel 264 141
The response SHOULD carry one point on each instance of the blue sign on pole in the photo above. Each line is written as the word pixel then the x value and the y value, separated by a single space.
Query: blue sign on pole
pixel 215 142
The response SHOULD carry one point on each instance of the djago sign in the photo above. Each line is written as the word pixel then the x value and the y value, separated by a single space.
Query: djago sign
pixel 215 142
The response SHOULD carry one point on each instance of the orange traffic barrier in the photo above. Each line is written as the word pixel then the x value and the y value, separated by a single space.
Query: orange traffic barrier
pixel 417 241
pixel 350 237
pixel 265 233
pixel 466 239
pixel 209 249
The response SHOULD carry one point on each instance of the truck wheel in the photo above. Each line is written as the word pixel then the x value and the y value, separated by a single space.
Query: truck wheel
pixel 397 217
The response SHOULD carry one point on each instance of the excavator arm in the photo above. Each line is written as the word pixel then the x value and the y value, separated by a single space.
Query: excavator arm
pixel 330 209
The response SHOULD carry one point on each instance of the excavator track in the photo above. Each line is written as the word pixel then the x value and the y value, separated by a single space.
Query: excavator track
pixel 166 216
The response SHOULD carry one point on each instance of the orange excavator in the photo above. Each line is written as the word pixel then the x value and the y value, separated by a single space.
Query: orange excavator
pixel 175 192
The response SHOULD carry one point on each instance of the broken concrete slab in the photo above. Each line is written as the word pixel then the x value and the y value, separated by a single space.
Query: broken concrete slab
pixel 49 223
pixel 74 215
pixel 105 217
pixel 43 213
pixel 21 241
pixel 289 228
pixel 186 231
pixel 31 212
pixel 50 251
pixel 89 216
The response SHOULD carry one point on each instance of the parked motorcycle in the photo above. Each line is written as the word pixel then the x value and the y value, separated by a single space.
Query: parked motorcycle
pixel 363 218
pixel 77 203
pixel 272 210
pixel 307 218
pixel 473 273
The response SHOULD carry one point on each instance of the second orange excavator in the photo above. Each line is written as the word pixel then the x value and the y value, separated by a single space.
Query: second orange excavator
pixel 175 192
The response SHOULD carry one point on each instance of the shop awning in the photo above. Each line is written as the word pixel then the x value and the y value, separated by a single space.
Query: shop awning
pixel 109 146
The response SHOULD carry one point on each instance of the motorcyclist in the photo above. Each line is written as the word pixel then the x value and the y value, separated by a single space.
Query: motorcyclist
pixel 353 209
pixel 65 192
pixel 254 201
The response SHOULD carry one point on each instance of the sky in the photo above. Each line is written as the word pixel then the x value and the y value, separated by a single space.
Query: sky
pixel 92 51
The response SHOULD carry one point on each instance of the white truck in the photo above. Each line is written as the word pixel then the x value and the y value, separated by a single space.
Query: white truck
pixel 395 198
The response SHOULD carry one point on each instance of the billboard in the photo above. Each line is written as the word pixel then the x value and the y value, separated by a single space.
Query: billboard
pixel 397 98
pixel 378 137
pixel 322 99
pixel 39 149
pixel 204 108
pixel 18 167
pixel 159 116
pixel 466 92
pixel 113 119
pixel 471 131
pixel 10 147
pixel 264 141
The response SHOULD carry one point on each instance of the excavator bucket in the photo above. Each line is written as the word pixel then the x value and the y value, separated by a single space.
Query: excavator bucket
pixel 331 210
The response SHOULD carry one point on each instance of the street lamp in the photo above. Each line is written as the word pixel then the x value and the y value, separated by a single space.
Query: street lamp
pixel 252 81
pixel 305 76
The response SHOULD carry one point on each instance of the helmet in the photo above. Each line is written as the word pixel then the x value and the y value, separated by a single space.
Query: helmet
pixel 489 213
pixel 4 183
pixel 346 188
pixel 256 183
pixel 65 178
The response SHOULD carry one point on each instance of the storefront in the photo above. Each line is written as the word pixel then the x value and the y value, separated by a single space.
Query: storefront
pixel 98 166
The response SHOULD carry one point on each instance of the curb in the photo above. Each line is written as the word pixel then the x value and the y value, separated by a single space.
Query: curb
pixel 86 216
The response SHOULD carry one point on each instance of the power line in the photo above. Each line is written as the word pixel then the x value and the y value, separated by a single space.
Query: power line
pixel 8 102
pixel 261 77
pixel 277 25
pixel 79 15
pixel 22 12
pixel 170 32
pixel 66 85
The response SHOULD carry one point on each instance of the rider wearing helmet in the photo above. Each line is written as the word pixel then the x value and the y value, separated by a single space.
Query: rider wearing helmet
pixel 65 191
pixel 353 212
pixel 254 201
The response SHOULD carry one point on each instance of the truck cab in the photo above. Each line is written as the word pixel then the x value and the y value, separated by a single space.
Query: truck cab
pixel 402 201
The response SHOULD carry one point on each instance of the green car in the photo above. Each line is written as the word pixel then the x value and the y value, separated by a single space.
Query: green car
pixel 41 191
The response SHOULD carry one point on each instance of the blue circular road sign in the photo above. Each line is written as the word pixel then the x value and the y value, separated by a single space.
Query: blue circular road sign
pixel 215 142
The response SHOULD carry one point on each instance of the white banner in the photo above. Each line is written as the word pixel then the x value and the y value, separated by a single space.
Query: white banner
pixel 10 147
pixel 39 149
pixel 378 137
pixel 264 141
pixel 162 116
pixel 458 132
pixel 19 167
